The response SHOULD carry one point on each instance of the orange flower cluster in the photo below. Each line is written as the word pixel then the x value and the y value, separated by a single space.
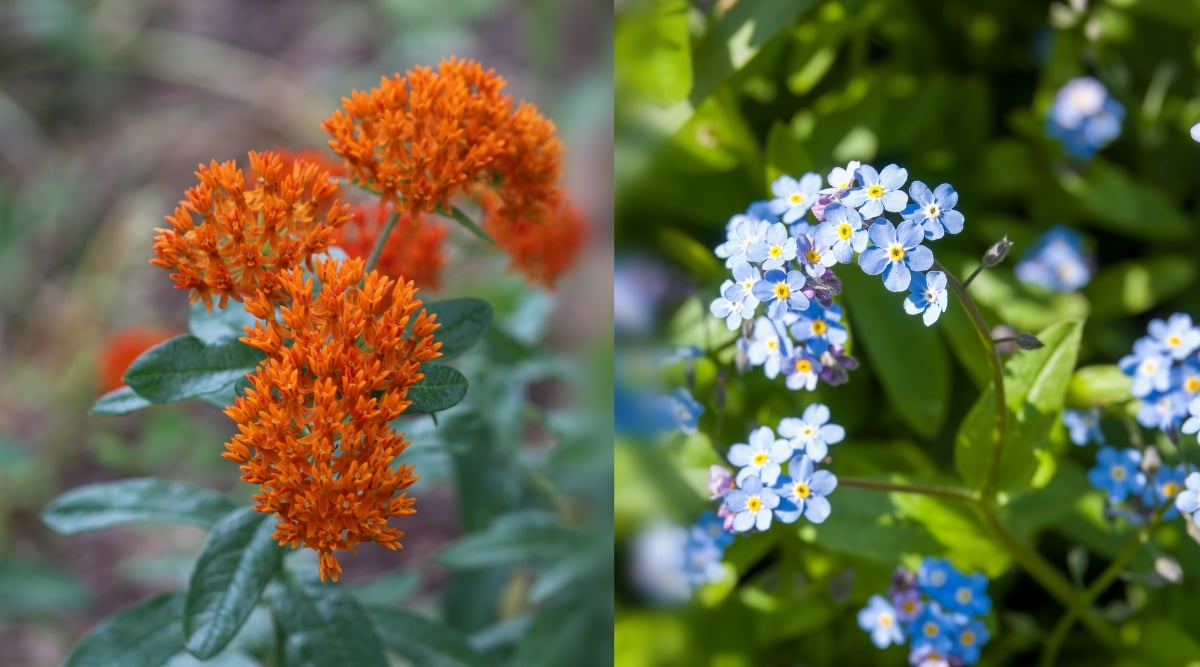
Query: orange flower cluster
pixel 121 348
pixel 313 429
pixel 541 250
pixel 427 136
pixel 413 250
pixel 248 233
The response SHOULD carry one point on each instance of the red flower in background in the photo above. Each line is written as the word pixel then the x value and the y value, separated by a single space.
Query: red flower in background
pixel 121 348
pixel 542 250
pixel 413 250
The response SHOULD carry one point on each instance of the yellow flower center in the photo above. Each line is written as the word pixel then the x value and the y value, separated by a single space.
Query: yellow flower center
pixel 803 366
pixel 748 284
pixel 775 251
pixel 909 606
pixel 845 231
pixel 754 503
pixel 812 256
pixel 875 191
pixel 896 252
pixel 801 490
pixel 963 595
pixel 932 211
pixel 886 620
pixel 930 629
pixel 772 344
pixel 967 638
pixel 1170 489
pixel 1174 340
pixel 795 198
pixel 1192 384
pixel 819 327
pixel 760 458
pixel 1118 473
pixel 782 291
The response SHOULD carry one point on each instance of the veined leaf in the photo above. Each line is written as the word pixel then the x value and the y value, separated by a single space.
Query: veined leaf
pixel 142 500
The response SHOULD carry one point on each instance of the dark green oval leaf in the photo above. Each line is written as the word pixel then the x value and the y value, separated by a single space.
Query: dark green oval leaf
pixel 443 387
pixel 463 322
pixel 322 624
pixel 148 633
pixel 219 325
pixel 424 642
pixel 519 537
pixel 184 367
pixel 142 500
pixel 119 402
pixel 239 559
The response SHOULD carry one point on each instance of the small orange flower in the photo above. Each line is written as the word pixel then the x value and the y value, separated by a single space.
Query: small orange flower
pixel 542 250
pixel 290 157
pixel 247 236
pixel 425 137
pixel 121 348
pixel 413 250
pixel 314 427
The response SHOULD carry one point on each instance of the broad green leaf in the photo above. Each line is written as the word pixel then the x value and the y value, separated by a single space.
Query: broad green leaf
pixel 864 523
pixel 965 540
pixel 519 537
pixel 219 325
pixel 441 388
pixel 119 402
pixel 908 357
pixel 1135 286
pixel 142 500
pixel 1115 200
pixel 422 641
pixel 567 572
pixel 239 559
pixel 322 625
pixel 388 590
pixel 463 322
pixel 1099 385
pixel 1035 390
pixel 652 51
pixel 185 367
pixel 148 633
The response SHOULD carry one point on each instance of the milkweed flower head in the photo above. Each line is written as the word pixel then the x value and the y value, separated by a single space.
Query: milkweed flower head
pixel 236 233
pixel 540 248
pixel 314 425
pixel 413 250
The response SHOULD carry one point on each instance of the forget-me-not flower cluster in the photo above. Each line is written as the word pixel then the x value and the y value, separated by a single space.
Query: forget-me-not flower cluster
pixel 782 261
pixel 670 561
pixel 1056 262
pixel 938 610
pixel 1084 117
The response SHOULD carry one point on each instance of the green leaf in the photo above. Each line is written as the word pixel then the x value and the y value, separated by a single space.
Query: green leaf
pixel 562 634
pixel 910 359
pixel 148 633
pixel 390 589
pixel 239 559
pixel 463 322
pixel 465 220
pixel 785 153
pixel 119 402
pixel 30 587
pixel 185 367
pixel 1100 385
pixel 1035 389
pixel 519 537
pixel 1135 286
pixel 443 387
pixel 863 523
pixel 422 641
pixel 652 51
pixel 966 541
pixel 142 500
pixel 1115 200
pixel 324 625
pixel 219 325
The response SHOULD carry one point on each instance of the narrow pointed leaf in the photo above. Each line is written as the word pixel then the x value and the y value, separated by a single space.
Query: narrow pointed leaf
pixel 141 500
pixel 324 625
pixel 119 402
pixel 443 387
pixel 424 642
pixel 185 367
pixel 239 559
pixel 463 322
pixel 148 633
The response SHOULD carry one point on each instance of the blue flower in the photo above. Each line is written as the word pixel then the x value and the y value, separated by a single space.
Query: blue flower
pixel 1177 336
pixel 966 595
pixel 804 491
pixel 1118 473
pixel 879 619
pixel 1056 262
pixel 841 179
pixel 751 505
pixel 1149 367
pixel 933 630
pixel 1162 410
pixel 793 198
pixel 1186 378
pixel 894 253
pixel 907 602
pixel 658 563
pixel 803 370
pixel 1192 423
pixel 1195 132
pixel 814 256
pixel 687 411
pixel 842 232
pixel 775 249
pixel 761 458
pixel 734 305
pixel 934 210
pixel 878 191
pixel 1168 483
pixel 710 527
pixel 768 347
pixel 1083 426
pixel 969 638
pixel 927 294
pixel 743 233
pixel 1084 117
pixel 781 292
pixel 1188 500
pixel 820 327
pixel 936 576
pixel 812 434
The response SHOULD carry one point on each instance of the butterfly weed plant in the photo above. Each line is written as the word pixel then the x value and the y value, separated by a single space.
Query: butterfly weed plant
pixel 311 328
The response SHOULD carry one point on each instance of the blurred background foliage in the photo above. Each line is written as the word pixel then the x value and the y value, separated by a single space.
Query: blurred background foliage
pixel 106 108
pixel 715 101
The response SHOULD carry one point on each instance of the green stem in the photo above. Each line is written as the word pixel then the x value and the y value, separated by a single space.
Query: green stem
pixel 985 336
pixel 899 487
pixel 373 259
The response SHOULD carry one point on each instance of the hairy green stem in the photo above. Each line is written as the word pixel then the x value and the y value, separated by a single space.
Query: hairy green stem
pixel 373 259
pixel 999 429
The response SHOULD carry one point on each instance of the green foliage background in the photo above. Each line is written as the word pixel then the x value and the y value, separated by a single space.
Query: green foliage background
pixel 715 101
